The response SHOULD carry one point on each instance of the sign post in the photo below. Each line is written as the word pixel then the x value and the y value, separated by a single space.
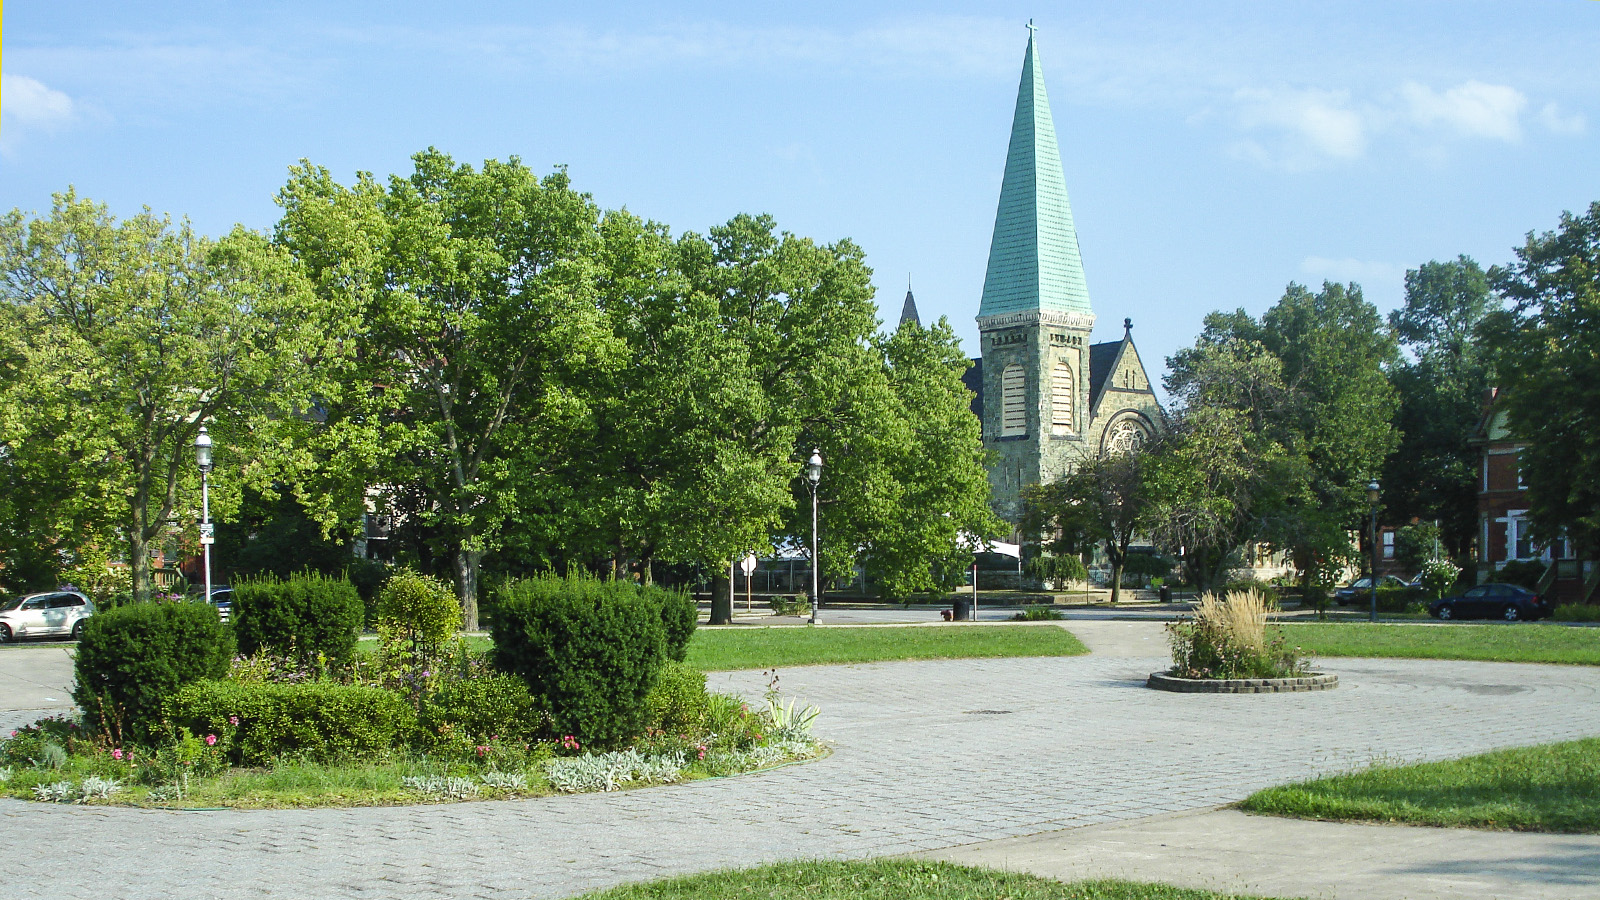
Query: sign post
pixel 748 566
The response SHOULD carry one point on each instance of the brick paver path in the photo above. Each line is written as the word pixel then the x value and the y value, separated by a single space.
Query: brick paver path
pixel 929 755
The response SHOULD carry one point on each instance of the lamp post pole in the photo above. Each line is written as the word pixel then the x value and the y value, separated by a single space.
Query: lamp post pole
pixel 202 457
pixel 814 475
pixel 1372 501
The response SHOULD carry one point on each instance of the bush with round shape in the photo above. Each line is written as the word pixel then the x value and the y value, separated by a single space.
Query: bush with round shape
pixel 310 617
pixel 1522 572
pixel 320 721
pixel 679 616
pixel 590 649
pixel 481 709
pixel 677 703
pixel 133 658
pixel 417 610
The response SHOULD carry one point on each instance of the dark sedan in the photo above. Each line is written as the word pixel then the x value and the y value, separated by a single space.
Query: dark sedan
pixel 1493 601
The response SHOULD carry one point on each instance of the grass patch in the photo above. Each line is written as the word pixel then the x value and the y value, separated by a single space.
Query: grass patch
pixel 890 879
pixel 1520 642
pixel 1551 787
pixel 723 649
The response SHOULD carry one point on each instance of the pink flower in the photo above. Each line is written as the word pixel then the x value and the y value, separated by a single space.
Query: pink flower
pixel 233 720
pixel 115 754
pixel 211 740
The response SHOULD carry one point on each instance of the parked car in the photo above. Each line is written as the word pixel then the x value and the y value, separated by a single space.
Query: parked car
pixel 1493 601
pixel 45 614
pixel 1359 590
pixel 221 598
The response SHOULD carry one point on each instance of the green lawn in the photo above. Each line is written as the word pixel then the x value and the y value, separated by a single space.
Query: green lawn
pixel 889 879
pixel 1553 787
pixel 722 649
pixel 1502 642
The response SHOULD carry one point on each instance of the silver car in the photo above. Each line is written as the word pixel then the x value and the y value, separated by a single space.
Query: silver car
pixel 46 614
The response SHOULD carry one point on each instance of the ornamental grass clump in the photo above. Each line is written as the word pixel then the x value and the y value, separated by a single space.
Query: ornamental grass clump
pixel 1227 638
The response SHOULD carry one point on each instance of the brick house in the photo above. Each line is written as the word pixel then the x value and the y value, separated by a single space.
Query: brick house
pixel 1504 526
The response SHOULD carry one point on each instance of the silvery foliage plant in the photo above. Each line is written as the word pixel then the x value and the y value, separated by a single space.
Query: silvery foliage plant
pixel 611 771
pixel 511 781
pixel 97 788
pixel 441 786
pixel 57 792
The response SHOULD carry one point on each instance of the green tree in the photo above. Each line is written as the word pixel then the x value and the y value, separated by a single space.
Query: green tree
pixel 1548 364
pixel 1433 473
pixel 476 293
pixel 1309 379
pixel 1108 501
pixel 123 338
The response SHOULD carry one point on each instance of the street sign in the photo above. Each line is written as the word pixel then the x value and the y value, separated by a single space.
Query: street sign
pixel 748 565
pixel 208 533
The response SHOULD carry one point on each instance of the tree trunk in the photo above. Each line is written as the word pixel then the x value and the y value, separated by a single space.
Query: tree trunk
pixel 467 563
pixel 139 563
pixel 722 596
pixel 1116 578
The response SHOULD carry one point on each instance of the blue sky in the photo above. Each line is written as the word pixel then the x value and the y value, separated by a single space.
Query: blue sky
pixel 1214 151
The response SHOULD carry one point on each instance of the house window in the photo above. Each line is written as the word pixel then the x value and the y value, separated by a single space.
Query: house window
pixel 1521 541
pixel 1388 545
pixel 1062 393
pixel 1013 403
pixel 1522 483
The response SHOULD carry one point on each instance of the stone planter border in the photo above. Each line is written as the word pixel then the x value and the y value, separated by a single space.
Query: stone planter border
pixel 1314 682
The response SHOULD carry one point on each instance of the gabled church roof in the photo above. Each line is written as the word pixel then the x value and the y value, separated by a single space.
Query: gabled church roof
pixel 1033 257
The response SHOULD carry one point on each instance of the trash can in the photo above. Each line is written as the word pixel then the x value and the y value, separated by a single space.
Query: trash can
pixel 1166 593
pixel 963 609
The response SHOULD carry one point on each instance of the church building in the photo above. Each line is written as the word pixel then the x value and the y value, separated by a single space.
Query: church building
pixel 1047 397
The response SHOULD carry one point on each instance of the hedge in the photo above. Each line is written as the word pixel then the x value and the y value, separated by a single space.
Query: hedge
pixel 310 617
pixel 591 649
pixel 132 658
pixel 319 721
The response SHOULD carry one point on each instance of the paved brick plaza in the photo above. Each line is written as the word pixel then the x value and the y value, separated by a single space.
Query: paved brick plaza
pixel 929 755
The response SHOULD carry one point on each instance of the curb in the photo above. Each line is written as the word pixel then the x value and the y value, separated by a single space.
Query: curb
pixel 1161 681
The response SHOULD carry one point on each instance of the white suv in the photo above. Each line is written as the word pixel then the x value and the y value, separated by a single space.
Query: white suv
pixel 47 614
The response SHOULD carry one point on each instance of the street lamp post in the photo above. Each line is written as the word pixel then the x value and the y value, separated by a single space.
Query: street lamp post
pixel 814 475
pixel 1372 501
pixel 202 457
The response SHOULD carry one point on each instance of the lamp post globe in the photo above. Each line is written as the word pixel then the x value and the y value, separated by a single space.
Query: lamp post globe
pixel 814 475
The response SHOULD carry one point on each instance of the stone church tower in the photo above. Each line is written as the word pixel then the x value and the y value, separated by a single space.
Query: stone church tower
pixel 1047 397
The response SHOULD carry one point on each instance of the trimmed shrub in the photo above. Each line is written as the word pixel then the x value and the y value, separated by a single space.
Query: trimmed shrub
pixel 1523 572
pixel 1397 599
pixel 679 615
pixel 591 649
pixel 1576 612
pixel 677 703
pixel 319 721
pixel 133 658
pixel 417 611
pixel 311 618
pixel 480 709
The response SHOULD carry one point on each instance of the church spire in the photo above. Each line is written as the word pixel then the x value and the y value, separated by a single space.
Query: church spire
pixel 908 312
pixel 1033 257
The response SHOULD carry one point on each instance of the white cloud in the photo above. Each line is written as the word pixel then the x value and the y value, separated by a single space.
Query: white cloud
pixel 1472 108
pixel 1551 117
pixel 1307 127
pixel 1363 272
pixel 28 103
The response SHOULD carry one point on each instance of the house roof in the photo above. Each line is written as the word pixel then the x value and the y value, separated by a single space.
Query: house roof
pixel 908 312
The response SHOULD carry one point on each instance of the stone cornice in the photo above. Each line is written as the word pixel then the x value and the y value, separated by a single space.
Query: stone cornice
pixel 1081 321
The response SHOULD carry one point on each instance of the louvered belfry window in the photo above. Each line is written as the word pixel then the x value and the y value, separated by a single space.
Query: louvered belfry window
pixel 1013 401
pixel 1062 394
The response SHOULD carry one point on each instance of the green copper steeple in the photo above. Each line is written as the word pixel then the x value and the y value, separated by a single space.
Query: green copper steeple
pixel 1033 258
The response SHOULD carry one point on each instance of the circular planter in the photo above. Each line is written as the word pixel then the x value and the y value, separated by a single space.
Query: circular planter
pixel 1314 682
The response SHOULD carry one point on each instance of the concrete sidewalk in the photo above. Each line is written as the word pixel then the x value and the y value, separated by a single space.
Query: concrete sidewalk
pixel 1226 850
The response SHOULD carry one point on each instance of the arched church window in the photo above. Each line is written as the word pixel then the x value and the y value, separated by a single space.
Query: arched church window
pixel 1125 436
pixel 1062 394
pixel 1013 402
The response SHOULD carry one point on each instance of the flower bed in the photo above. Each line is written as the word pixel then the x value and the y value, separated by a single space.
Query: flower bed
pixel 423 719
pixel 1314 681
